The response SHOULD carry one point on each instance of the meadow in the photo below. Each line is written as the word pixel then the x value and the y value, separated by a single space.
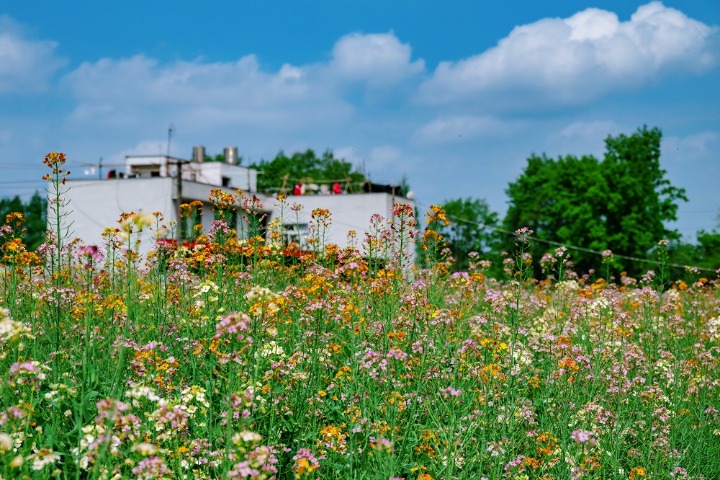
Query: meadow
pixel 251 358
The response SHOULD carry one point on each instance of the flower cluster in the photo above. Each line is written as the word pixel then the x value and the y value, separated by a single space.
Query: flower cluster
pixel 247 358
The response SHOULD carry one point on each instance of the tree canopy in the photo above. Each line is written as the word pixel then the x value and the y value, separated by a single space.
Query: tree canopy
pixel 471 229
pixel 620 203
pixel 35 213
pixel 282 172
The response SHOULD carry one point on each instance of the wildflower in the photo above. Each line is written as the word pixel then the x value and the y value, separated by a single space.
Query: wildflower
pixel 222 200
pixel 206 287
pixel 547 261
pixel 304 463
pixel 258 293
pixel 29 372
pixel 381 444
pixel 145 449
pixel 54 159
pixel 583 436
pixel 272 349
pixel 90 255
pixel 6 442
pixel 10 330
pixel 679 472
pixel 196 393
pixel 523 234
pixel 451 391
pixel 135 222
pixel 258 463
pixel 320 214
pixel 637 472
pixel 152 468
pixel 437 214
pixel 246 436
pixel 42 457
pixel 332 437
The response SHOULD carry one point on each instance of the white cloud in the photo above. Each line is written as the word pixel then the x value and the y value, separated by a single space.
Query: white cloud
pixel 576 59
pixel 460 128
pixel 583 137
pixel 25 65
pixel 696 146
pixel 378 59
pixel 139 92
pixel 119 92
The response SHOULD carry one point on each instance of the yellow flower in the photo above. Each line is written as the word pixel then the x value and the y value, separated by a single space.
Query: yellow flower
pixel 637 472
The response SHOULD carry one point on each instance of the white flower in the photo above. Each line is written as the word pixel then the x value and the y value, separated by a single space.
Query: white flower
pixel 247 437
pixel 6 442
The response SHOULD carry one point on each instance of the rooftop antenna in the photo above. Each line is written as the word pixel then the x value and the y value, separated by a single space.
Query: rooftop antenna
pixel 171 132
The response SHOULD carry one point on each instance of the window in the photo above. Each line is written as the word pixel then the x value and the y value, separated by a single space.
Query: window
pixel 295 233
pixel 188 224
pixel 229 215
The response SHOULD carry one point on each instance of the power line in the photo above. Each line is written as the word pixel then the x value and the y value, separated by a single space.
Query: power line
pixel 578 248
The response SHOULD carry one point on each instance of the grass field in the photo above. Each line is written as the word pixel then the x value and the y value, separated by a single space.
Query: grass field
pixel 244 360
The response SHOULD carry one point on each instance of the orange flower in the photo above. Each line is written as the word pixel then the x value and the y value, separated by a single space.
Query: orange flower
pixel 637 472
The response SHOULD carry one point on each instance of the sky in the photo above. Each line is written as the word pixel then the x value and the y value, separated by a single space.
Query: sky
pixel 452 95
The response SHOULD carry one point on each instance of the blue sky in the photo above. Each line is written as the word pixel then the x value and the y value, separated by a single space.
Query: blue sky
pixel 455 95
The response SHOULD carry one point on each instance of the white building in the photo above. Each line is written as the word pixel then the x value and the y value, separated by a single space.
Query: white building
pixel 150 184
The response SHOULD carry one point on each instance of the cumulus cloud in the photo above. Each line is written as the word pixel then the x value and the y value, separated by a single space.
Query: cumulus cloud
pixel 460 128
pixel 378 59
pixel 25 64
pixel 576 59
pixel 116 91
pixel 208 94
pixel 128 92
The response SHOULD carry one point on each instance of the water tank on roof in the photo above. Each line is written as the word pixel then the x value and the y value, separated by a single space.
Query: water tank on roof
pixel 231 155
pixel 198 155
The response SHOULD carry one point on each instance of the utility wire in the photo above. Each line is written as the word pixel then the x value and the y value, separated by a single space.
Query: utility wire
pixel 578 248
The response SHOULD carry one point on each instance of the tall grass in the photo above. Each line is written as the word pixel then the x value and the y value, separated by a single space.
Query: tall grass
pixel 245 359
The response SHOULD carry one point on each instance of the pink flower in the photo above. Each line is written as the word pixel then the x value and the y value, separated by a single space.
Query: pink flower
pixel 583 436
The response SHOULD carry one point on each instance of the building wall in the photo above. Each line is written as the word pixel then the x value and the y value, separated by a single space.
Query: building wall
pixel 212 173
pixel 97 204
pixel 348 212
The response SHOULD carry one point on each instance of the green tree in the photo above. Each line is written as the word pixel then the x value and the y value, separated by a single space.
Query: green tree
pixel 704 253
pixel 708 249
pixel 220 158
pixel 282 172
pixel 639 198
pixel 620 203
pixel 561 201
pixel 472 229
pixel 35 213
pixel 35 221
